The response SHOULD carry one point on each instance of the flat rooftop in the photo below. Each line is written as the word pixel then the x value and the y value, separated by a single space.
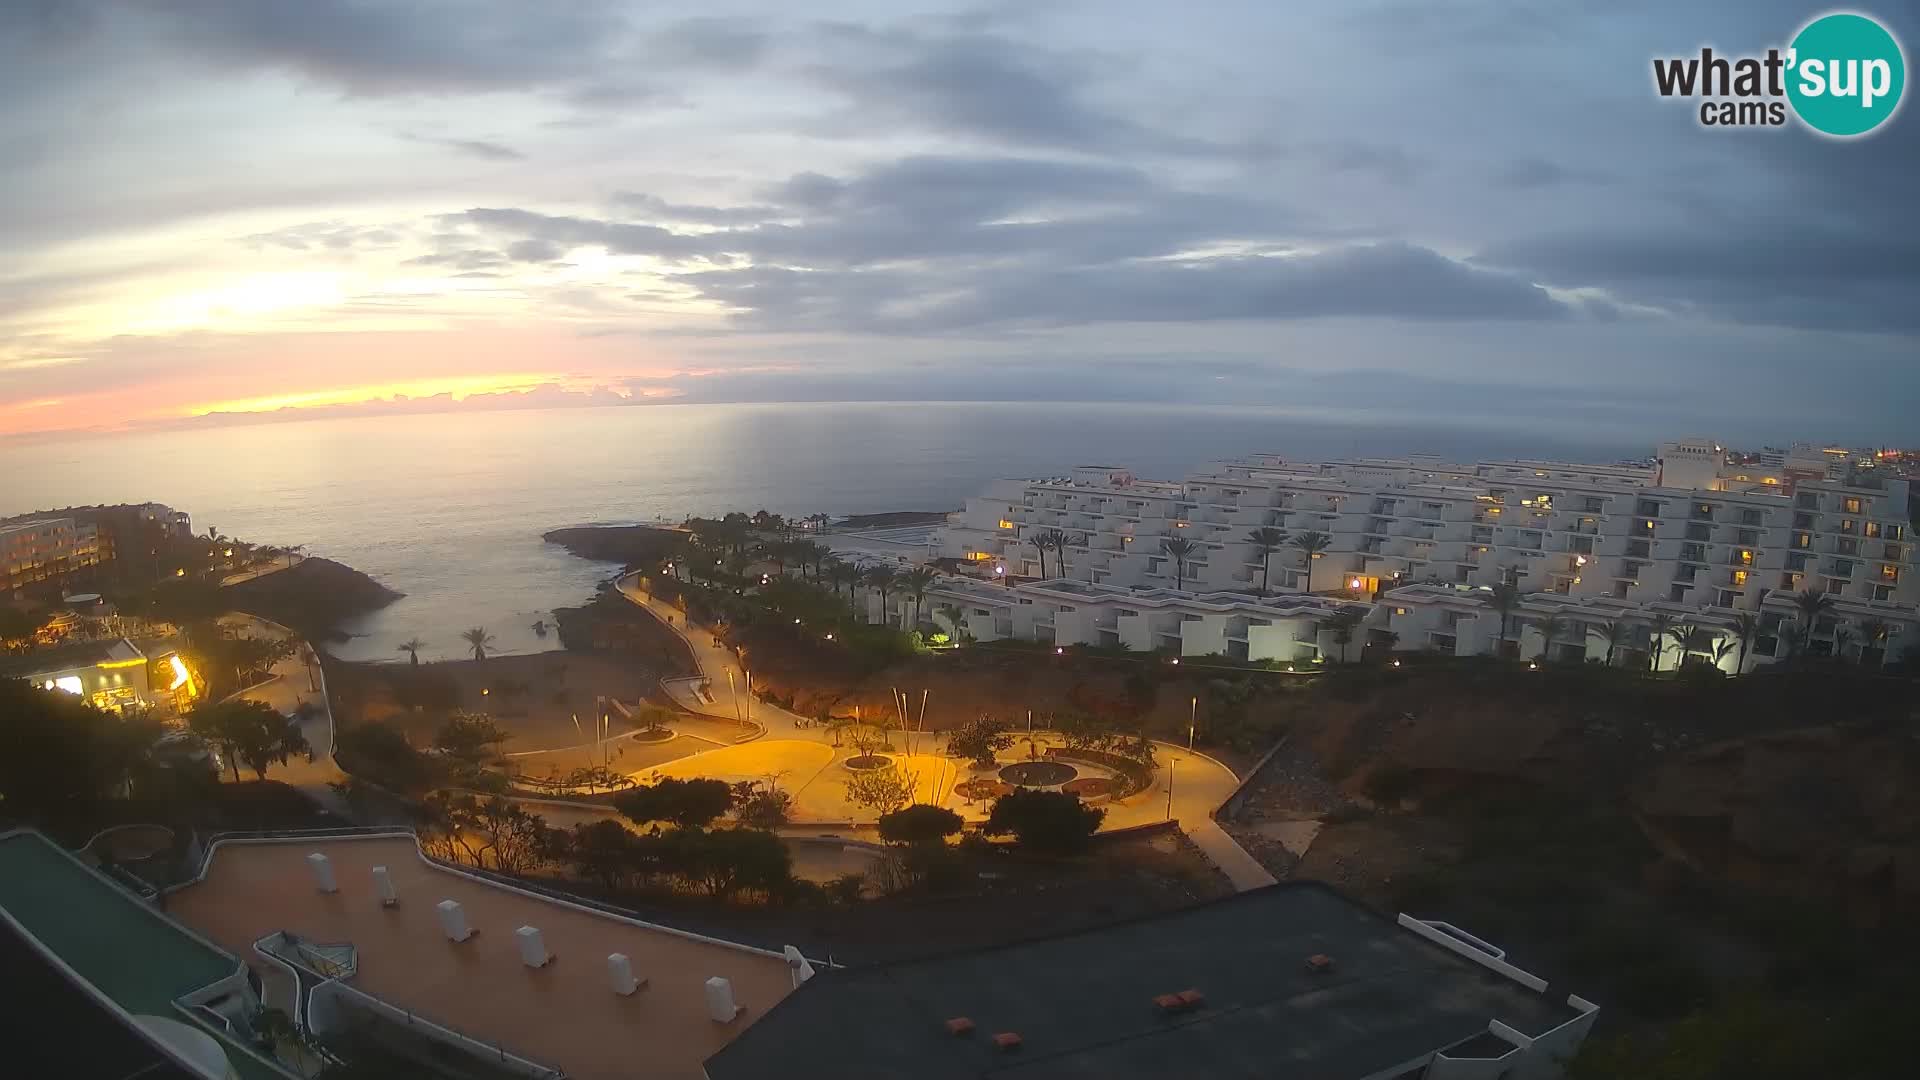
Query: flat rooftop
pixel 563 1015
pixel 1083 1003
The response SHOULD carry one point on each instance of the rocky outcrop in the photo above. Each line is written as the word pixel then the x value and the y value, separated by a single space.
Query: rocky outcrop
pixel 314 596
pixel 629 545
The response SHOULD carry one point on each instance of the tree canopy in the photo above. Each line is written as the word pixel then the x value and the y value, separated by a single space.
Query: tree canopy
pixel 919 826
pixel 1052 822
pixel 689 804
pixel 57 751
pixel 249 731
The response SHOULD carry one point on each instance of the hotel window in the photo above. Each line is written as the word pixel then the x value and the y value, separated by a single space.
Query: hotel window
pixel 1739 579
pixel 1848 525
pixel 1005 524
pixel 1743 557
pixel 1889 572
pixel 1883 592
pixel 1873 530
pixel 1807 500
pixel 1895 532
pixel 1789 581
pixel 1803 540
pixel 1850 505
pixel 1845 546
pixel 1750 517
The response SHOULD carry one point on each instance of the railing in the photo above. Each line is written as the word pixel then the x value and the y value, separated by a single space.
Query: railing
pixel 323 1009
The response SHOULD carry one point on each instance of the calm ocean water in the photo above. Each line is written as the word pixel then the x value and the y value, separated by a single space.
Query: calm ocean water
pixel 449 508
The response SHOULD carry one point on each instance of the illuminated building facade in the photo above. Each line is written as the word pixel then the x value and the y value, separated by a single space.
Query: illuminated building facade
pixel 111 674
pixel 42 550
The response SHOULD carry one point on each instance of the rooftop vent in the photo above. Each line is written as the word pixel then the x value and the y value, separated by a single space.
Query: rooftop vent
pixel 1007 1040
pixel 960 1025
pixel 1319 963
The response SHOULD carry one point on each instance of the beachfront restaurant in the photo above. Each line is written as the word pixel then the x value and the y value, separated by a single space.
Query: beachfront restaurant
pixel 109 674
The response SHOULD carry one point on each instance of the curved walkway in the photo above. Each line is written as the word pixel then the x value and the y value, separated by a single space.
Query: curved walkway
pixel 1198 783
pixel 296 681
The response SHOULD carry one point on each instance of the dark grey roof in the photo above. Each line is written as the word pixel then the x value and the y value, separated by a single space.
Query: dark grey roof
pixel 1083 1003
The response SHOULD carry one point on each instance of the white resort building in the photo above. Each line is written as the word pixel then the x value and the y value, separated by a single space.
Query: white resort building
pixel 1697 537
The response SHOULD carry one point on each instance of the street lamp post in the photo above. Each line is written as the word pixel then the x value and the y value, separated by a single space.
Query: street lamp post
pixel 1193 720
pixel 1171 762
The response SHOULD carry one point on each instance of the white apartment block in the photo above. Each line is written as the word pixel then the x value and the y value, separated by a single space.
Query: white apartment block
pixel 1690 538
pixel 1290 627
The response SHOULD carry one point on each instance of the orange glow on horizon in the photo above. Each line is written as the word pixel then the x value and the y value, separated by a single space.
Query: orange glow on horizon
pixel 459 386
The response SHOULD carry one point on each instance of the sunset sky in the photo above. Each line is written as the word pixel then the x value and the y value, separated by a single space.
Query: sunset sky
pixel 250 205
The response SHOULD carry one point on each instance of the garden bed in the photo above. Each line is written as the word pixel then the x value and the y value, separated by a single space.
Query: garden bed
pixel 1136 776
pixel 983 789
pixel 1038 773
pixel 864 762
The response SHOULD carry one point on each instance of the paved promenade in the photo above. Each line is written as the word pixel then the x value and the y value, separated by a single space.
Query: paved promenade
pixel 815 774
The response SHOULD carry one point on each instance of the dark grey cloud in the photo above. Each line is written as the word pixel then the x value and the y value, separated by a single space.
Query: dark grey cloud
pixel 1532 172
pixel 957 244
pixel 655 208
pixel 1394 281
pixel 373 47
pixel 1793 230
pixel 980 85
pixel 620 238
pixel 712 41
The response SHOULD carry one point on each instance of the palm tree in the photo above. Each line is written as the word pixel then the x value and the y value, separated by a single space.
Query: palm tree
pixel 1614 632
pixel 1060 547
pixel 915 583
pixel 1745 626
pixel 1811 605
pixel 883 579
pixel 1506 597
pixel 1266 541
pixel 479 639
pixel 1311 544
pixel 1657 633
pixel 845 574
pixel 956 618
pixel 1341 625
pixel 1686 638
pixel 1550 628
pixel 1180 549
pixel 1040 543
pixel 412 647
pixel 1873 636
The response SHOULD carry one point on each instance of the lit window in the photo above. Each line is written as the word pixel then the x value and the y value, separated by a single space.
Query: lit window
pixel 1005 524
pixel 1739 578
pixel 1850 505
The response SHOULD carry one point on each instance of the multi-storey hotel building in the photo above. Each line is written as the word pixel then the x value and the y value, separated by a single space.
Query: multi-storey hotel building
pixel 1694 537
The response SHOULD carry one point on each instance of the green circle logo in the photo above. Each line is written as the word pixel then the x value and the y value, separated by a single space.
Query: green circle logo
pixel 1845 74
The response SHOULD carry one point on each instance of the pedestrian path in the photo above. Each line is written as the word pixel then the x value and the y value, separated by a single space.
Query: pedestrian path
pixel 1198 783
pixel 295 682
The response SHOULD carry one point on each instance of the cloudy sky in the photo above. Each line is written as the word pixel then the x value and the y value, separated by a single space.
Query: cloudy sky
pixel 244 205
